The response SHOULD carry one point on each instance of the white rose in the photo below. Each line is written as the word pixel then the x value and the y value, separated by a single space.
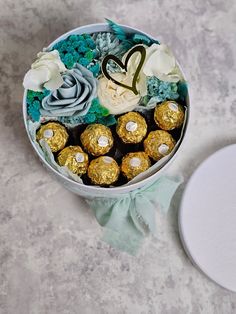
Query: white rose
pixel 160 62
pixel 45 72
pixel 115 98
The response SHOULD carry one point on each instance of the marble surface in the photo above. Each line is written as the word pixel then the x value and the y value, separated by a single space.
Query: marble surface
pixel 52 260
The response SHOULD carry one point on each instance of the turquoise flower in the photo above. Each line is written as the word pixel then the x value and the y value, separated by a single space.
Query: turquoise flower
pixel 158 91
pixel 161 90
pixel 96 114
pixel 78 49
pixel 34 101
pixel 33 110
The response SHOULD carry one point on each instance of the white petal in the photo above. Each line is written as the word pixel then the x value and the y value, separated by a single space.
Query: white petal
pixel 35 78
pixel 54 83
pixel 45 58
pixel 142 85
pixel 159 62
pixel 56 79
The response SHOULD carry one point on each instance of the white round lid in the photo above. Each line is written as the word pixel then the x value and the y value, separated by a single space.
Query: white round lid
pixel 207 217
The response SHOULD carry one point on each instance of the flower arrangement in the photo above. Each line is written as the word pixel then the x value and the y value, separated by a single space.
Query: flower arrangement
pixel 94 83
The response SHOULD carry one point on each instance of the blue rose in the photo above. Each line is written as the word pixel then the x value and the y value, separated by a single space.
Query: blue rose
pixel 75 95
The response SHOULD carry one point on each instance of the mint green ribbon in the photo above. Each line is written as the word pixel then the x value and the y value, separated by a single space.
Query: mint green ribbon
pixel 130 217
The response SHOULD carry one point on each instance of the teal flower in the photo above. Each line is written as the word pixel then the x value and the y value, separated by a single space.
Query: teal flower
pixel 96 114
pixel 158 91
pixel 161 90
pixel 33 110
pixel 34 101
pixel 77 49
pixel 84 62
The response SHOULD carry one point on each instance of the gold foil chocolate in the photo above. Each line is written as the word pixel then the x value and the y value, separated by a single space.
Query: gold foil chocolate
pixel 54 134
pixel 97 139
pixel 169 115
pixel 131 127
pixel 74 158
pixel 134 163
pixel 103 170
pixel 158 144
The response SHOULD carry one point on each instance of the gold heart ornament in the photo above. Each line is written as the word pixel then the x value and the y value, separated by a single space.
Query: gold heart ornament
pixel 124 66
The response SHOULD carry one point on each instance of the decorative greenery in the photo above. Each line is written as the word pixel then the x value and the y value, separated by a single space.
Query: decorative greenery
pixel 96 114
pixel 162 90
pixel 78 49
pixel 108 43
pixel 34 100
pixel 128 39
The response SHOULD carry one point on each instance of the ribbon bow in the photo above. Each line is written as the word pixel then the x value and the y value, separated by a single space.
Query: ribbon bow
pixel 130 217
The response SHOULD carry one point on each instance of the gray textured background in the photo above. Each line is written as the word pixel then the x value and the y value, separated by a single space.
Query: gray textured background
pixel 51 258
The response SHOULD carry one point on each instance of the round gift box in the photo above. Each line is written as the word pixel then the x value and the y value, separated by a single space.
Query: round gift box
pixel 94 191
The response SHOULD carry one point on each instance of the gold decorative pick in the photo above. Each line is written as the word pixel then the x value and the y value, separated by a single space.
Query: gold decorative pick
pixel 124 66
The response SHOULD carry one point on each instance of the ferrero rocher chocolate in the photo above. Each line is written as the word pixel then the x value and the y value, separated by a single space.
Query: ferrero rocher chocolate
pixel 103 170
pixel 74 158
pixel 54 134
pixel 169 115
pixel 134 163
pixel 97 139
pixel 158 144
pixel 131 127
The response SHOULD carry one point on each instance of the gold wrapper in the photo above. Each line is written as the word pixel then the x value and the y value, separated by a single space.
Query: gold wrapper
pixel 169 115
pixel 131 128
pixel 103 170
pixel 74 158
pixel 158 144
pixel 134 163
pixel 54 134
pixel 97 139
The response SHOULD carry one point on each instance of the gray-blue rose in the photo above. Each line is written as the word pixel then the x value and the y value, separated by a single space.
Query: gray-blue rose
pixel 74 96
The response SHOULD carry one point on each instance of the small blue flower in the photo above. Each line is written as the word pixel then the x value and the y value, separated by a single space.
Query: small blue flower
pixel 90 43
pixel 84 61
pixel 70 49
pixel 76 56
pixel 83 49
pixel 90 118
pixel 162 90
pixel 63 47
pixel 86 36
pixel 33 107
pixel 73 38
pixel 108 121
pixel 34 101
pixel 77 49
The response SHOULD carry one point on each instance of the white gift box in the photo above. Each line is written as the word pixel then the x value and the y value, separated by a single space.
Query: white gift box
pixel 141 181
